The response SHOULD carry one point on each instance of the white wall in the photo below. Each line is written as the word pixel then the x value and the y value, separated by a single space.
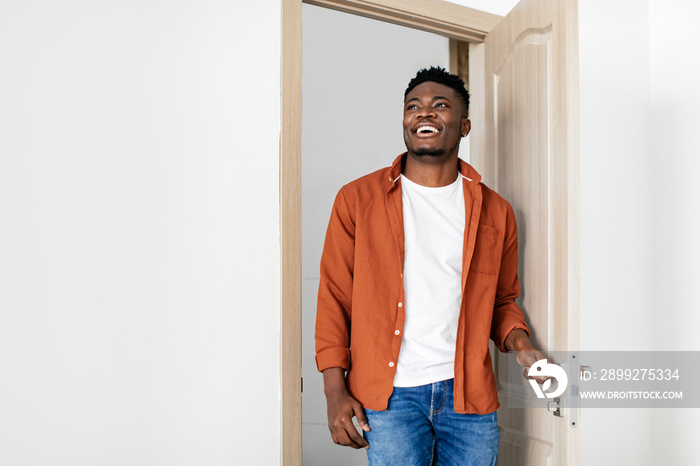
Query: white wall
pixel 675 119
pixel 639 210
pixel 496 7
pixel 616 225
pixel 355 71
pixel 673 130
pixel 139 303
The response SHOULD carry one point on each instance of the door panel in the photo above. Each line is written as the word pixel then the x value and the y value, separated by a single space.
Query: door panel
pixel 529 154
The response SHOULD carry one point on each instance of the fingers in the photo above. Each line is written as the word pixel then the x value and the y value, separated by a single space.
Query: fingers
pixel 341 426
pixel 344 433
pixel 538 356
pixel 537 379
pixel 357 437
pixel 361 417
pixel 540 378
pixel 526 359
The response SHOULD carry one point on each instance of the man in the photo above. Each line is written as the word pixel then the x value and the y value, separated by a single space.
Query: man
pixel 419 270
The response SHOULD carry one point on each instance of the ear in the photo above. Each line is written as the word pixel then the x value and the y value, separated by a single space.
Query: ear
pixel 466 126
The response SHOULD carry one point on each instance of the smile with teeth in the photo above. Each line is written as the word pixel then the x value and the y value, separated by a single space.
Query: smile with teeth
pixel 427 129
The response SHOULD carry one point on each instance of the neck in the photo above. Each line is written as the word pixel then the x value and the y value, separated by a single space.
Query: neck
pixel 431 171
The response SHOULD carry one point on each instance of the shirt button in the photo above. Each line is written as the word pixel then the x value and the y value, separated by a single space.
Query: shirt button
pixel 397 332
pixel 400 304
pixel 391 364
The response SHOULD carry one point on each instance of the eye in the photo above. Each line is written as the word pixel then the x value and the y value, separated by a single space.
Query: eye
pixel 441 105
pixel 411 107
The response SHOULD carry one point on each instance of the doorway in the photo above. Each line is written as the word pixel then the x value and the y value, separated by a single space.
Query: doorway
pixel 354 72
pixel 509 42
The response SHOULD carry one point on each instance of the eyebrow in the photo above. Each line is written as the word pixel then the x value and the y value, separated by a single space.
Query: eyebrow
pixel 437 97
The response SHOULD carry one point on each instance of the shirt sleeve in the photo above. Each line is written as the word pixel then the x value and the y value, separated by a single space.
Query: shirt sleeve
pixel 334 309
pixel 507 316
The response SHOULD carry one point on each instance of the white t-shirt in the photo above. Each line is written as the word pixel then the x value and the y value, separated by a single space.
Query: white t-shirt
pixel 433 220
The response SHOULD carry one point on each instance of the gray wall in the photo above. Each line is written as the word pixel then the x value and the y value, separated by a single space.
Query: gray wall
pixel 354 73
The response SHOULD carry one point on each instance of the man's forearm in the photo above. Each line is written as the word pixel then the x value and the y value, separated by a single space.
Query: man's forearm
pixel 334 380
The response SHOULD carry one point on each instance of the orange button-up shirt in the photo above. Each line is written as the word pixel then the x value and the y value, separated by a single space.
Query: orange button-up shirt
pixel 360 315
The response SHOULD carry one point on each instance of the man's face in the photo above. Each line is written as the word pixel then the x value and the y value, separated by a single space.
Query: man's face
pixel 434 120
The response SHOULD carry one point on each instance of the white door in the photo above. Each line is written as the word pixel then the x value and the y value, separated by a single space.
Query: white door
pixel 529 154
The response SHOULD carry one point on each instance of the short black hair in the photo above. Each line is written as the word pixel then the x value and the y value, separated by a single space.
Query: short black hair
pixel 440 76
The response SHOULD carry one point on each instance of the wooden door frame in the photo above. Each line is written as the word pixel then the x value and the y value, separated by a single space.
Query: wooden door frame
pixel 435 16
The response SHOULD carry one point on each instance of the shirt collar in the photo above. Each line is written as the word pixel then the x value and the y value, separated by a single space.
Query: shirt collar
pixel 466 170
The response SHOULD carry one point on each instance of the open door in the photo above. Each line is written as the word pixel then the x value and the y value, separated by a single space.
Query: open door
pixel 523 75
pixel 529 154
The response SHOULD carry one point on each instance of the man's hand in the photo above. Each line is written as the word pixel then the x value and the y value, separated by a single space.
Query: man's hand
pixel 341 409
pixel 527 359
pixel 518 341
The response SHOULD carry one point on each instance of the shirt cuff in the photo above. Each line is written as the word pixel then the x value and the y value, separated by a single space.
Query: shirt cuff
pixel 333 357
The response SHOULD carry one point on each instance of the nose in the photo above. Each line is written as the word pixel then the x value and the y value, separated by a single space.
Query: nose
pixel 426 112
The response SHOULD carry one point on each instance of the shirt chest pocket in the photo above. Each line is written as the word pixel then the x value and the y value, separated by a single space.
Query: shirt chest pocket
pixel 487 251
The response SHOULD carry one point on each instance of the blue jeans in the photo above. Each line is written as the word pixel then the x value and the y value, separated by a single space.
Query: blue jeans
pixel 421 428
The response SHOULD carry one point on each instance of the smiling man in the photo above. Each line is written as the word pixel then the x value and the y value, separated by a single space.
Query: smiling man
pixel 419 271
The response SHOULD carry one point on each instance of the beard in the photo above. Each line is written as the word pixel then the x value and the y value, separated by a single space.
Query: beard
pixel 429 152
